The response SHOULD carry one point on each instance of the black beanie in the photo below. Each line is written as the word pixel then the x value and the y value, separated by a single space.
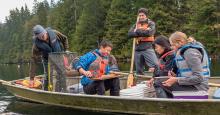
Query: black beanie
pixel 143 10
pixel 164 42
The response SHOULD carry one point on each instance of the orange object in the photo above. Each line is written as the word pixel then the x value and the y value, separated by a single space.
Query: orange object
pixel 30 84
pixel 97 68
pixel 130 80
pixel 65 62
pixel 144 26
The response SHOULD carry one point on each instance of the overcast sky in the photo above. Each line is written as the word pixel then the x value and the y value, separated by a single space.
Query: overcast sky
pixel 7 5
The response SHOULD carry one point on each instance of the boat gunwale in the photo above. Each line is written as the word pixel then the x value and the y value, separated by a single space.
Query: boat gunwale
pixel 110 97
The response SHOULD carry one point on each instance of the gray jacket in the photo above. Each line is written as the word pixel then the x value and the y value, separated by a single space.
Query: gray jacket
pixel 193 59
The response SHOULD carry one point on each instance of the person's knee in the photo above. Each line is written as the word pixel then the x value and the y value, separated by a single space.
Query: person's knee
pixel 160 92
pixel 114 91
pixel 116 83
pixel 157 83
pixel 115 88
pixel 100 88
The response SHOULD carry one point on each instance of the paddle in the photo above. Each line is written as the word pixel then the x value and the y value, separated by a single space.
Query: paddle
pixel 3 81
pixel 130 80
pixel 114 74
pixel 123 73
pixel 214 84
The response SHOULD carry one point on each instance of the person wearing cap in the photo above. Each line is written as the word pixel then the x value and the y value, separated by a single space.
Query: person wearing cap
pixel 45 41
pixel 143 31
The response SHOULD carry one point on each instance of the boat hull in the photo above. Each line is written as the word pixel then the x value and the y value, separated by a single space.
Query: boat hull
pixel 118 104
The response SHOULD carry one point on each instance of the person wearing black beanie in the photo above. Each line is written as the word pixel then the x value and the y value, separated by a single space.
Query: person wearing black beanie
pixel 166 61
pixel 165 54
pixel 163 42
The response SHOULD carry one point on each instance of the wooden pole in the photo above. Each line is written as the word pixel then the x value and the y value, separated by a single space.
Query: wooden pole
pixel 130 80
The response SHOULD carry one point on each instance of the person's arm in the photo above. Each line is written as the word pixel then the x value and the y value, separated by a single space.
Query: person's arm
pixel 63 39
pixel 36 56
pixel 113 63
pixel 169 65
pixel 193 59
pixel 149 32
pixel 83 63
pixel 132 33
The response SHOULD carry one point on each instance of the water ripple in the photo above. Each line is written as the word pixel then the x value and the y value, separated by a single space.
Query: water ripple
pixel 3 105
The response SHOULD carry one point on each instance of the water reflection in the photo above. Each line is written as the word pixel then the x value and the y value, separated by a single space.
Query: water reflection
pixel 23 107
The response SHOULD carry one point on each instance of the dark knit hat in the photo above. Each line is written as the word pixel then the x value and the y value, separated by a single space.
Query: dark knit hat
pixel 163 41
pixel 143 10
pixel 39 31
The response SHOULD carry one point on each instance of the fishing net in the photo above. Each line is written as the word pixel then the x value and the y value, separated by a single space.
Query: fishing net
pixel 58 62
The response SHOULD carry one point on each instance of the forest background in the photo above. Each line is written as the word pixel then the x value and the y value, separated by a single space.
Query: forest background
pixel 87 22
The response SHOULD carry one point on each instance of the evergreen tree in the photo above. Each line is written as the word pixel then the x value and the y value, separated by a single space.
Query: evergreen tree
pixel 90 26
pixel 119 19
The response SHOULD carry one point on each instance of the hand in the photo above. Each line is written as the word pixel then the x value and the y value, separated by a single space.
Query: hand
pixel 171 74
pixel 150 82
pixel 170 81
pixel 151 69
pixel 148 28
pixel 67 51
pixel 68 68
pixel 87 73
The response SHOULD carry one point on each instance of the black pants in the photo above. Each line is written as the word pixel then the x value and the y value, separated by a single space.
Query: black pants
pixel 99 87
pixel 166 92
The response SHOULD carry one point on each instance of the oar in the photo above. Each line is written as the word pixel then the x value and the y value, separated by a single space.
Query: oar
pixel 130 80
pixel 149 77
pixel 123 73
pixel 3 81
pixel 214 84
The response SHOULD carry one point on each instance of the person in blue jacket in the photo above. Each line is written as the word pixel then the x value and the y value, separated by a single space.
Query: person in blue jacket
pixel 96 65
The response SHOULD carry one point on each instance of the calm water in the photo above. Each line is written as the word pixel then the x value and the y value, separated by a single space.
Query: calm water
pixel 10 105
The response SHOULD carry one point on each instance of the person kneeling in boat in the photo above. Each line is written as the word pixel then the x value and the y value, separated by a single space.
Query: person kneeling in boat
pixel 94 66
pixel 166 58
pixel 192 67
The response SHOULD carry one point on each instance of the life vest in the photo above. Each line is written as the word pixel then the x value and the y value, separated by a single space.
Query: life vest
pixel 26 83
pixel 53 46
pixel 183 68
pixel 97 67
pixel 144 26
pixel 161 62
